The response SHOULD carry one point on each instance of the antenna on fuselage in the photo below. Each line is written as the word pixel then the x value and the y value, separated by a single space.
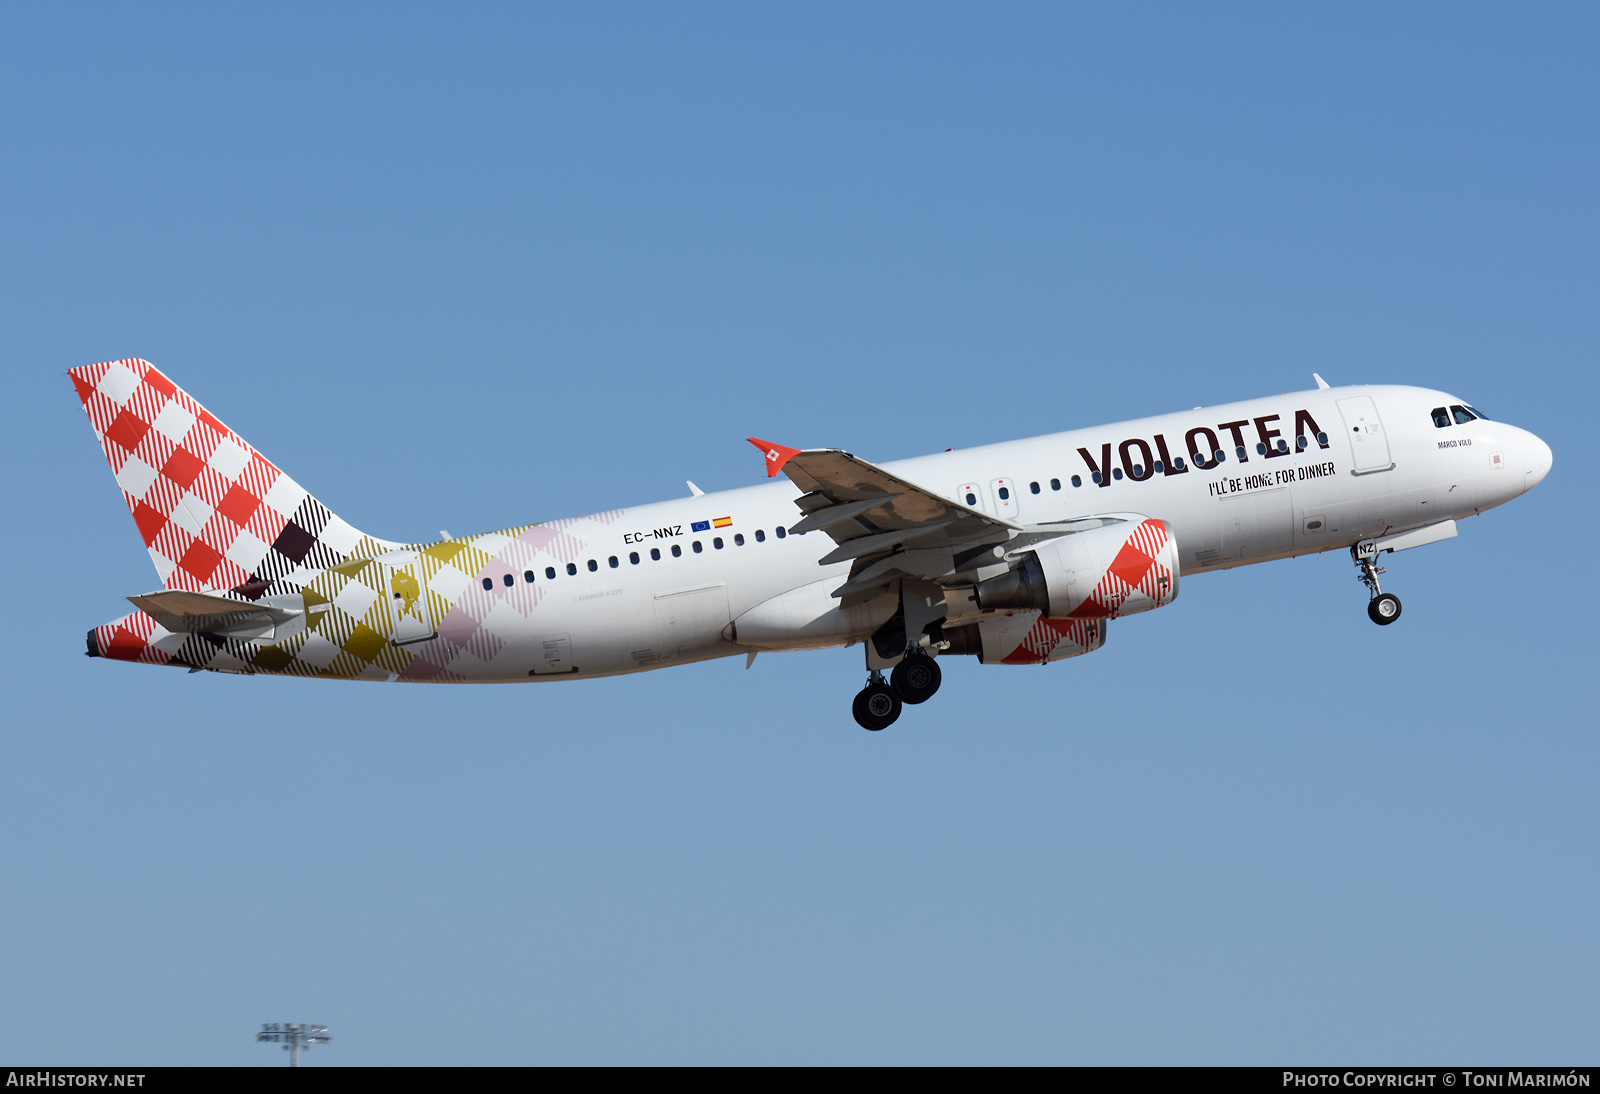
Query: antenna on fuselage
pixel 1321 383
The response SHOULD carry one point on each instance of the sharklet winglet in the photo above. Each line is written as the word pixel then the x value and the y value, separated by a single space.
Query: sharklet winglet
pixel 776 455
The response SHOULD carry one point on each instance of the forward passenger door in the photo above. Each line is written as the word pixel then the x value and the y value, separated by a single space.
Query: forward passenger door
pixel 1369 444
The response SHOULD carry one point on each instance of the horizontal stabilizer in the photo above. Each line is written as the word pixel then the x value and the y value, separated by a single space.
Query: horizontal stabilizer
pixel 180 611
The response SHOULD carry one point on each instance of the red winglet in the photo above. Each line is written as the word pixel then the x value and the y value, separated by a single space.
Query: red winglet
pixel 777 455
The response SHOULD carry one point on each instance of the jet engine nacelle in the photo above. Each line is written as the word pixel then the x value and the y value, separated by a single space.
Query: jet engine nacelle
pixel 1026 638
pixel 1103 573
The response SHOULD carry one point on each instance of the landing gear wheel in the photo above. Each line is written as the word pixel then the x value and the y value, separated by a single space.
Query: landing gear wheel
pixel 916 678
pixel 1384 609
pixel 876 706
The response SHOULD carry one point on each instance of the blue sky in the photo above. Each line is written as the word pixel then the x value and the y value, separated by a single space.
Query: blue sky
pixel 470 269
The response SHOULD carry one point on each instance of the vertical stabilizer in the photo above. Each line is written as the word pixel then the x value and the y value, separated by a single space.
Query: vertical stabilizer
pixel 214 513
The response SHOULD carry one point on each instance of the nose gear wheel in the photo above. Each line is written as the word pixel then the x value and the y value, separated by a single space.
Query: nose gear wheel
pixel 1384 609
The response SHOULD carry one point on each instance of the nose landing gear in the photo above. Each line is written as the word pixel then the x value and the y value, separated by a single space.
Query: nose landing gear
pixel 1383 608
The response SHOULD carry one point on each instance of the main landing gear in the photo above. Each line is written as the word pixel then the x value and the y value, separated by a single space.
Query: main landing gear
pixel 1383 608
pixel 913 680
pixel 916 678
pixel 876 706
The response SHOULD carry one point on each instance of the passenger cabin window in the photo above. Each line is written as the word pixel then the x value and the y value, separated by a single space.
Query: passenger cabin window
pixel 1055 484
pixel 1033 486
pixel 738 539
pixel 780 531
pixel 717 543
pixel 1116 473
pixel 510 581
pixel 655 554
pixel 1463 415
pixel 972 499
pixel 488 583
pixel 1441 417
pixel 612 561
pixel 593 565
pixel 677 550
pixel 1077 480
pixel 697 547
pixel 550 572
pixel 761 536
pixel 572 569
pixel 527 575
pixel 1005 493
pixel 633 558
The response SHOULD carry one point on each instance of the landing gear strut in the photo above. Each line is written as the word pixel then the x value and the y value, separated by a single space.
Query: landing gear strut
pixel 876 705
pixel 1383 608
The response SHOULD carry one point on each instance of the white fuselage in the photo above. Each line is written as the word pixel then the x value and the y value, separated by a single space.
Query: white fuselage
pixel 1383 467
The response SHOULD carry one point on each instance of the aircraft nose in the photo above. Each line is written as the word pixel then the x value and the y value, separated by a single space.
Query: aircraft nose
pixel 1540 459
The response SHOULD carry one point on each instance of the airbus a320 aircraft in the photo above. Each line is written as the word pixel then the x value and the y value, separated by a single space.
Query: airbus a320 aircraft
pixel 1018 553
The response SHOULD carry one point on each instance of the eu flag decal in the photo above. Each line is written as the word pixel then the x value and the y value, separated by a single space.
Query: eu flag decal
pixel 700 526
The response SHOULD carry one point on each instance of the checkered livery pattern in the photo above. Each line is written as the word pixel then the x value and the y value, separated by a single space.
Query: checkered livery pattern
pixel 1141 576
pixel 213 512
pixel 1053 639
pixel 355 612
pixel 218 517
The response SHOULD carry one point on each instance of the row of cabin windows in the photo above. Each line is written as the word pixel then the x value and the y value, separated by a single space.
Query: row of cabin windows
pixel 1005 491
pixel 633 558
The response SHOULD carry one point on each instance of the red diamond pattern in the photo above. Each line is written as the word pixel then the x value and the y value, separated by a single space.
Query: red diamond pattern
pixel 124 421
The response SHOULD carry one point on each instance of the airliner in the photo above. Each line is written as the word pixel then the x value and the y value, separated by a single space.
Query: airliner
pixel 1019 553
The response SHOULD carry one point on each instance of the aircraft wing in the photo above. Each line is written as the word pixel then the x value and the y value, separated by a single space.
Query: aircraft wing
pixel 180 611
pixel 887 525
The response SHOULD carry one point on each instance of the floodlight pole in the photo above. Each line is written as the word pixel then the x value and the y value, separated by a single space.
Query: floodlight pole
pixel 294 1037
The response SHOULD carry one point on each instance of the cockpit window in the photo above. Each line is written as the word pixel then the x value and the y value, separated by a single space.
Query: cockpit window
pixel 1441 417
pixel 1463 415
pixel 1476 413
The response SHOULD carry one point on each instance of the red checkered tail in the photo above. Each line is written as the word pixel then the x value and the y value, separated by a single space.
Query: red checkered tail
pixel 214 513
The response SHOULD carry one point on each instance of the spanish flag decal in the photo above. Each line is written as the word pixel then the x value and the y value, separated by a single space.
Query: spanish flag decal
pixel 722 522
